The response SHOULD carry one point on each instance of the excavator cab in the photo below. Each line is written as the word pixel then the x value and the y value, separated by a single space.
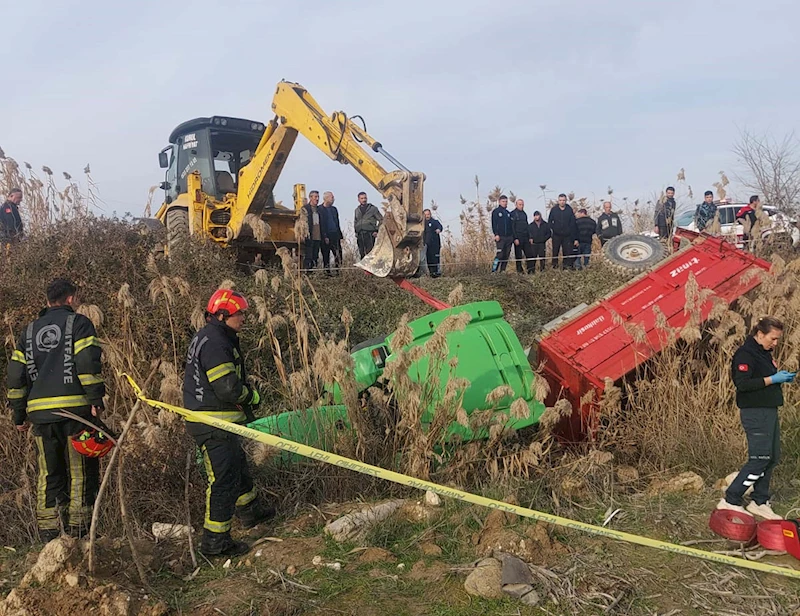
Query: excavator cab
pixel 217 147
pixel 209 155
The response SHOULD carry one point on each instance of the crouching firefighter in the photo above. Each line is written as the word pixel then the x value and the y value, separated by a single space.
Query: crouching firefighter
pixel 216 385
pixel 56 368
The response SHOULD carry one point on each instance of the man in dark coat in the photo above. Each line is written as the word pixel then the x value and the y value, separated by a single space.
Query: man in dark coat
pixel 539 233
pixel 586 230
pixel 565 232
pixel 330 232
pixel 433 243
pixel 665 214
pixel 313 242
pixel 609 224
pixel 10 220
pixel 521 234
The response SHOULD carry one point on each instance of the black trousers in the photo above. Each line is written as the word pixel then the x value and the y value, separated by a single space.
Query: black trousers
pixel 763 432
pixel 538 251
pixel 334 245
pixel 663 232
pixel 502 254
pixel 563 245
pixel 433 258
pixel 229 484
pixel 365 242
pixel 523 252
pixel 311 254
pixel 68 482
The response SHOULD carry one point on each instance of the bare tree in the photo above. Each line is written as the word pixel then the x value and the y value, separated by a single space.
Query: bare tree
pixel 770 167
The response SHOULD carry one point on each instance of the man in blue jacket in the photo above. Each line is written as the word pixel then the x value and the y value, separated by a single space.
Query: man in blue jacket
pixel 503 234
pixel 565 232
pixel 331 233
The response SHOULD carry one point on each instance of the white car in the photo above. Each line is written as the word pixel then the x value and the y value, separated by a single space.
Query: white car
pixel 778 222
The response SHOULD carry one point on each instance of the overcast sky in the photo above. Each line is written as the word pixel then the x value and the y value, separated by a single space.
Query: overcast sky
pixel 574 95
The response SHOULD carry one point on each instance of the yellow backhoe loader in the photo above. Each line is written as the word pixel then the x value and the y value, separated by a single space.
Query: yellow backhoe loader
pixel 221 173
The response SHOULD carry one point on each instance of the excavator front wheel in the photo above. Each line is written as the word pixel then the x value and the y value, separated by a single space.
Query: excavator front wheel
pixel 177 223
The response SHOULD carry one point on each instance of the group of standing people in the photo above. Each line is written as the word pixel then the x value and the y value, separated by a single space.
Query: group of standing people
pixel 325 233
pixel 570 233
pixel 325 230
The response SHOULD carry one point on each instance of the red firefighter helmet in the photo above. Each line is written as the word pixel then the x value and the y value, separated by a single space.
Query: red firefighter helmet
pixel 91 443
pixel 227 302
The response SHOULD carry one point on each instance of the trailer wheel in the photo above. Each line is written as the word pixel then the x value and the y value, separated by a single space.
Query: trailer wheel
pixel 631 254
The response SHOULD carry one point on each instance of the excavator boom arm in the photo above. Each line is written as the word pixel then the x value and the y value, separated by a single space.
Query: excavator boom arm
pixel 396 251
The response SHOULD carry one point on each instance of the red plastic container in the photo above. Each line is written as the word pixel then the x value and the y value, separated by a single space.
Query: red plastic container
pixel 791 537
pixel 733 525
pixel 593 345
pixel 770 535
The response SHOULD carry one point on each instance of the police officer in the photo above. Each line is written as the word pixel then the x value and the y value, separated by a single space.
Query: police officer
pixel 433 243
pixel 503 234
pixel 56 366
pixel 758 396
pixel 215 384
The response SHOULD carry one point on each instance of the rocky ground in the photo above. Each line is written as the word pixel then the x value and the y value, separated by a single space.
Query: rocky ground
pixel 414 557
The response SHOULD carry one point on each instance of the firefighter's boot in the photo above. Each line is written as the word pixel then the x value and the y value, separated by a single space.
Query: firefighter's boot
pixel 255 513
pixel 222 544
pixel 46 536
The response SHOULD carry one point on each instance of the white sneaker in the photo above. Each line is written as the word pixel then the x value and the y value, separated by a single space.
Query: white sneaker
pixel 723 504
pixel 763 511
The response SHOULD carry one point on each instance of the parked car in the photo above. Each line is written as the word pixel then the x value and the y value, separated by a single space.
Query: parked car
pixel 779 223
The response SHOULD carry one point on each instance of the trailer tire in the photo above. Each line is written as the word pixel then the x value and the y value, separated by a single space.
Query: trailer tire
pixel 177 230
pixel 778 240
pixel 631 253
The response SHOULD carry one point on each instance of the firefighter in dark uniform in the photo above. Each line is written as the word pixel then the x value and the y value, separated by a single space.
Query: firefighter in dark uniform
pixel 433 243
pixel 758 395
pixel 56 367
pixel 215 384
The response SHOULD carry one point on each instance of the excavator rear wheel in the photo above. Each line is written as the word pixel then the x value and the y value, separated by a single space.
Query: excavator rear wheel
pixel 177 230
pixel 631 253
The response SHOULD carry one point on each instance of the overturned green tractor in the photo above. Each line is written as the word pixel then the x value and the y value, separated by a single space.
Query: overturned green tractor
pixel 489 355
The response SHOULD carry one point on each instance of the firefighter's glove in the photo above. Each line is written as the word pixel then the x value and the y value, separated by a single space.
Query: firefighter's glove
pixel 783 376
pixel 255 399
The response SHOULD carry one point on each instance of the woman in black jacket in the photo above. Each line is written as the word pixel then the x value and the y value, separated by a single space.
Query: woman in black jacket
pixel 758 396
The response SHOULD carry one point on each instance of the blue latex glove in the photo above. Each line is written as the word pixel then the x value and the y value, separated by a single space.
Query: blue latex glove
pixel 783 376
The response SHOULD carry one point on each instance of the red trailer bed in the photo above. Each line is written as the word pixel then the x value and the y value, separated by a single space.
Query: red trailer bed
pixel 589 345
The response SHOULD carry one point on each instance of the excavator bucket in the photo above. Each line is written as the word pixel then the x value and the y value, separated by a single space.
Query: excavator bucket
pixel 397 248
pixel 387 260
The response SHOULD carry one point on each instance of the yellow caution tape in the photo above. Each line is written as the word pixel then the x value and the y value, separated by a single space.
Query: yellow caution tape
pixel 375 471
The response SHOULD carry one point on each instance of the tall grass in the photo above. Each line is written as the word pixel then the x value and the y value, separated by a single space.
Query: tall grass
pixel 298 338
